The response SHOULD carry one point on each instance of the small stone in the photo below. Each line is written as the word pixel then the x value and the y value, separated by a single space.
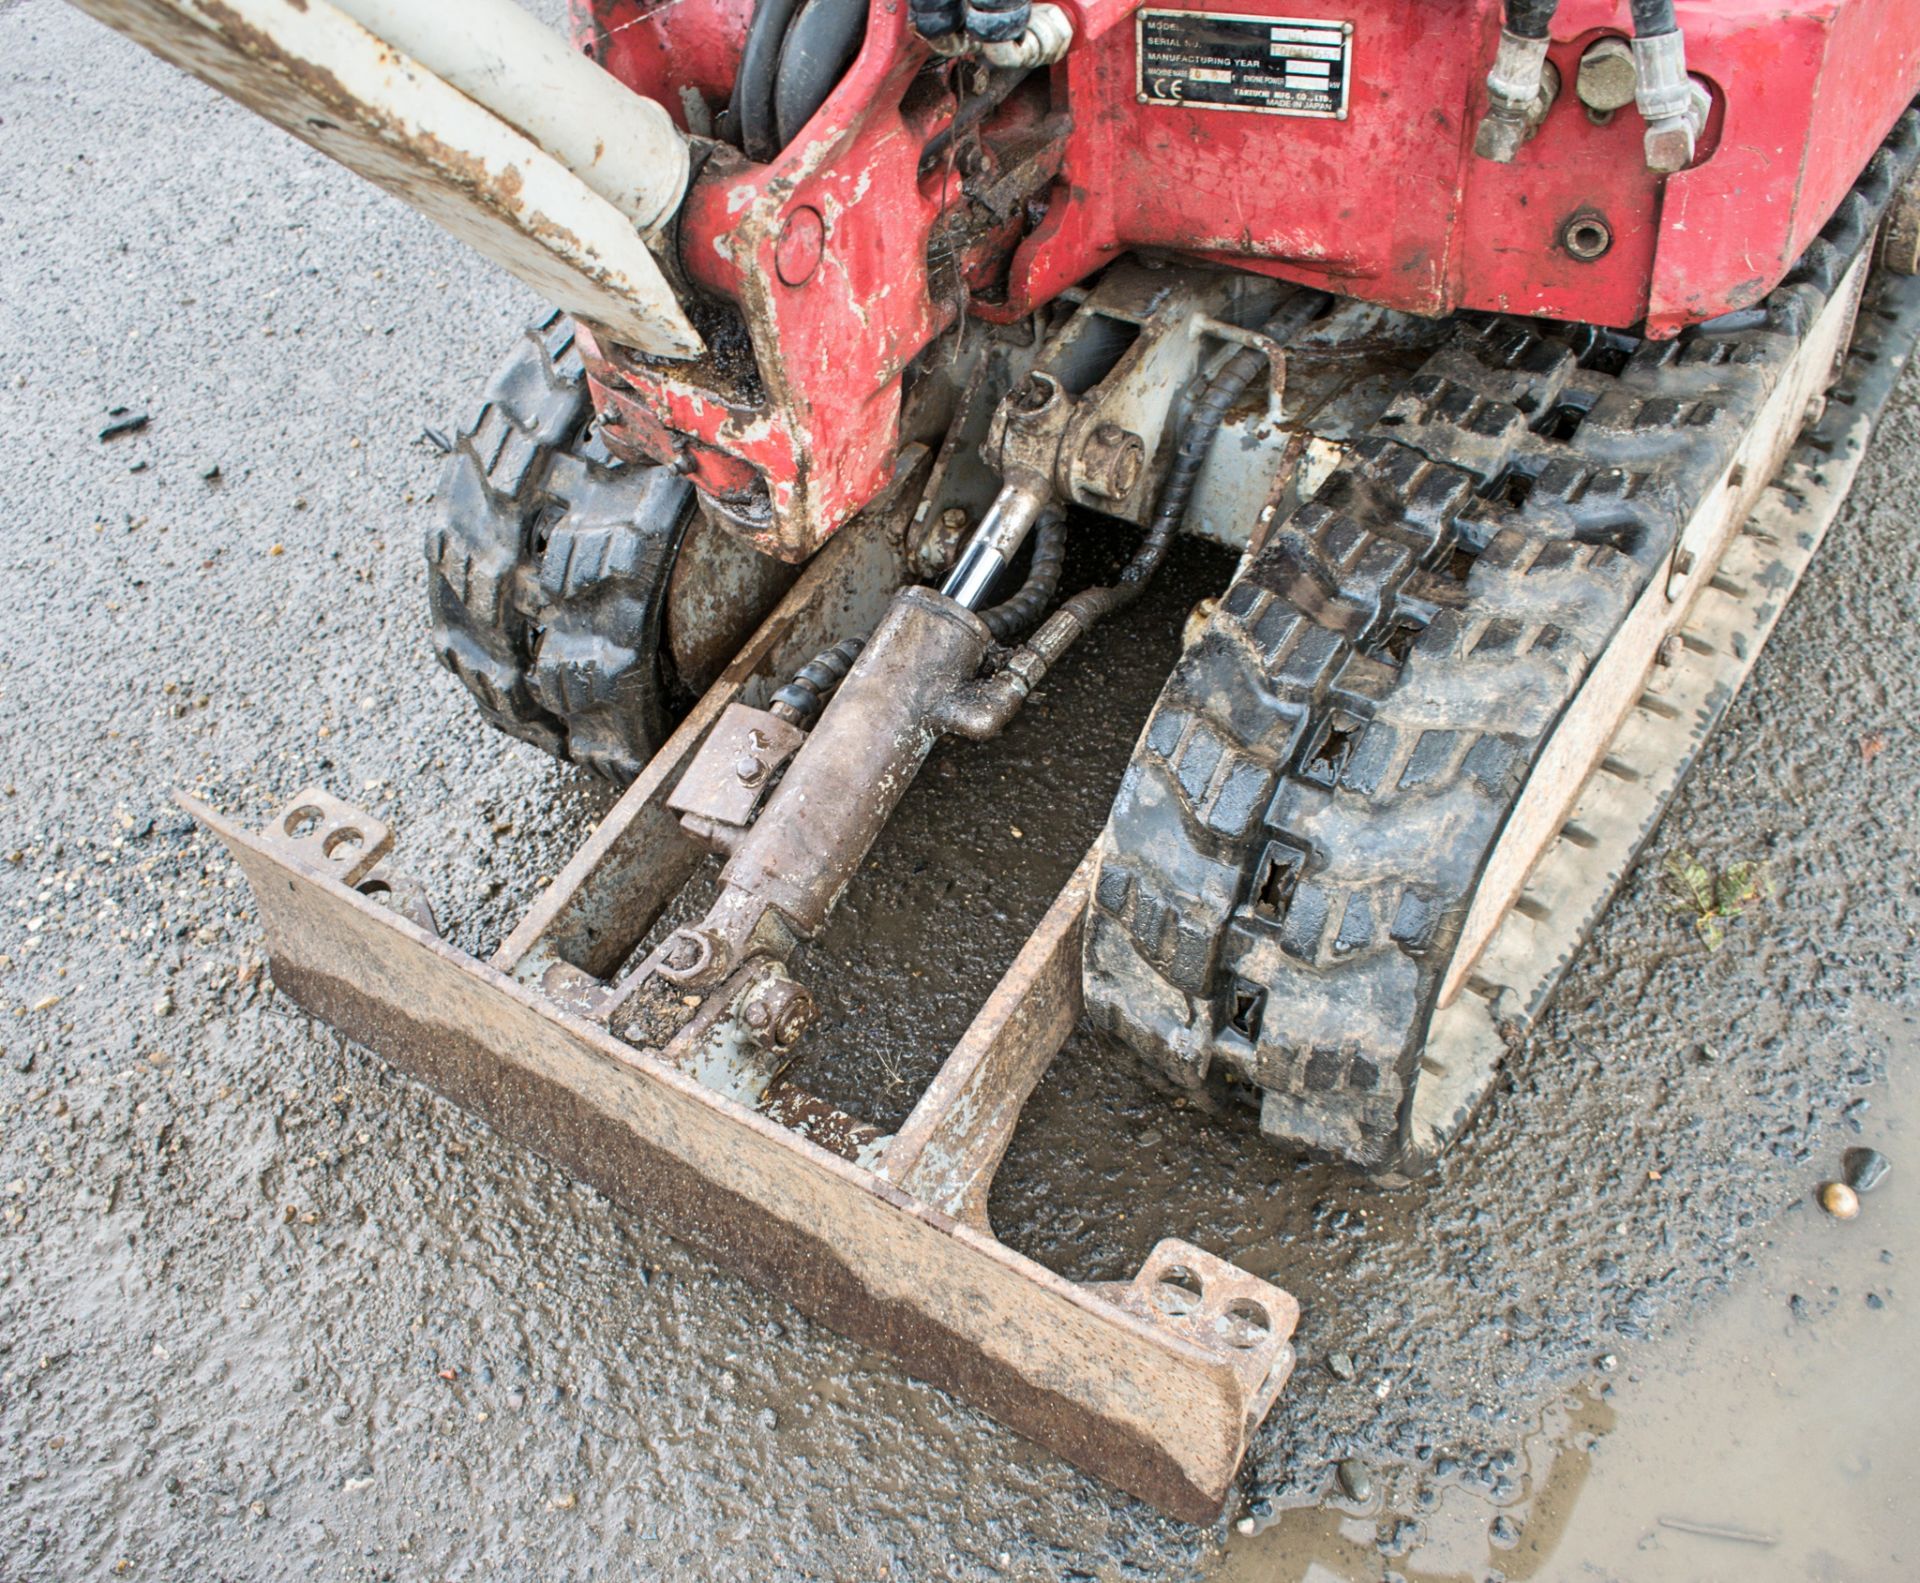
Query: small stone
pixel 1403 1536
pixel 1503 1533
pixel 1340 1366
pixel 1608 1362
pixel 563 1502
pixel 122 420
pixel 163 1007
pixel 1865 1169
pixel 1355 1480
pixel 1245 1525
pixel 1839 1200
pixel 46 1003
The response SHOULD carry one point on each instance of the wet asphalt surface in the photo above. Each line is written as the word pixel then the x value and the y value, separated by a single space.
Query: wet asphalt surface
pixel 268 1310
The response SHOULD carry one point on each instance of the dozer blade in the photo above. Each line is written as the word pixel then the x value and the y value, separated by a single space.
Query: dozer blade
pixel 309 67
pixel 1154 1384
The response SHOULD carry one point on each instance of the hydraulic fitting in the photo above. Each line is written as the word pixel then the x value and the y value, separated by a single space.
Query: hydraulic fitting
pixel 998 21
pixel 1048 35
pixel 1521 89
pixel 1671 105
pixel 1607 79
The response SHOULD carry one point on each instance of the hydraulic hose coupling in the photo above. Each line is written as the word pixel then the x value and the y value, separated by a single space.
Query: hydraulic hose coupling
pixel 998 21
pixel 1521 89
pixel 1671 103
pixel 1048 36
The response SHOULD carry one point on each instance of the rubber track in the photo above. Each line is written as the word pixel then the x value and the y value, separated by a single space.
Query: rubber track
pixel 1296 842
pixel 548 568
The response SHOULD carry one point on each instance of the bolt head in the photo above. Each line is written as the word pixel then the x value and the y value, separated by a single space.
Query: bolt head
pixel 748 770
pixel 756 1015
pixel 794 1019
pixel 1500 137
pixel 1110 462
pixel 1669 146
pixel 1607 79
pixel 683 953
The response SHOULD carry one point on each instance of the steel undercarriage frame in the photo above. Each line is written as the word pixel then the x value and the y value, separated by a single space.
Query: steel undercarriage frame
pixel 1154 1385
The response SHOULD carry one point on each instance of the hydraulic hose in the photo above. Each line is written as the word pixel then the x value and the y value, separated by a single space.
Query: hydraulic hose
pixel 1016 614
pixel 819 46
pixel 800 701
pixel 751 109
pixel 1533 18
pixel 1651 18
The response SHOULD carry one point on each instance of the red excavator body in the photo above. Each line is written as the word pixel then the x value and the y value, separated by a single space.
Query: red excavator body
pixel 874 230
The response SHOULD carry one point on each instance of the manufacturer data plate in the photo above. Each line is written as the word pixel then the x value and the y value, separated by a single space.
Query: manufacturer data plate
pixel 1218 60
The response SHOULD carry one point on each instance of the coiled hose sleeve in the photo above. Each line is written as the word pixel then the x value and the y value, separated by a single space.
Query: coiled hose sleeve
pixel 800 701
pixel 1016 614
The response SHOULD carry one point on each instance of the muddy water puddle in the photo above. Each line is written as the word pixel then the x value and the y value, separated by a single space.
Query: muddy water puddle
pixel 1772 1439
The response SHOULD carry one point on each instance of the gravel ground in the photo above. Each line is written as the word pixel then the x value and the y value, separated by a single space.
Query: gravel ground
pixel 268 1310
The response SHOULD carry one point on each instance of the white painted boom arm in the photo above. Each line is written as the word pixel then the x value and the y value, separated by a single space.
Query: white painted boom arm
pixel 523 149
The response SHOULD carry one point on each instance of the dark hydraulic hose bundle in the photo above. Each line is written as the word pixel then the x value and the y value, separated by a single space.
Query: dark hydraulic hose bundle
pixel 796 51
pixel 820 45
pixel 751 110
